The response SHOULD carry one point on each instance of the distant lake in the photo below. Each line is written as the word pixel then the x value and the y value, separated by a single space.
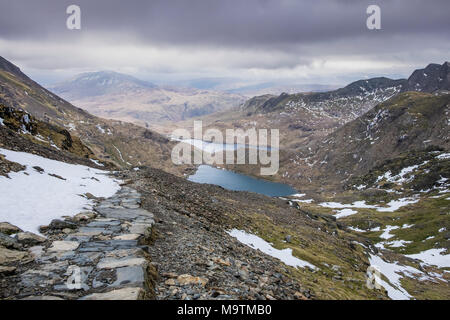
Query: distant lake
pixel 240 182
pixel 212 147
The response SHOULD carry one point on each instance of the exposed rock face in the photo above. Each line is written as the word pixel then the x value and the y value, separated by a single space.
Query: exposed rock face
pixel 43 134
pixel 357 97
pixel 433 78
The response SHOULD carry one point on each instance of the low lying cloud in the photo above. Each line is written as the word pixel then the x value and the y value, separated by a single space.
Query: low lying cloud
pixel 307 41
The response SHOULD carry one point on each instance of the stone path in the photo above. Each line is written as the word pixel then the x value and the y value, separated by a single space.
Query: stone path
pixel 94 255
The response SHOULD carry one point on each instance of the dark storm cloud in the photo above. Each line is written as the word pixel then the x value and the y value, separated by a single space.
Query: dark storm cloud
pixel 314 40
pixel 231 23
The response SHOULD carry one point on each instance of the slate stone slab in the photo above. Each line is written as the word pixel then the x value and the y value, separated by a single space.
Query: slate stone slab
pixel 104 224
pixel 130 276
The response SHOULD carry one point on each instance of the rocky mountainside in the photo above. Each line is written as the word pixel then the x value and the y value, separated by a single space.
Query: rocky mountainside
pixel 350 101
pixel 305 117
pixel 117 96
pixel 120 143
pixel 433 78
pixel 21 131
pixel 407 122
pixel 359 96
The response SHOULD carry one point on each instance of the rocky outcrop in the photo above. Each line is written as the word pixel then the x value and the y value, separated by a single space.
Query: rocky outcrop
pixel 433 78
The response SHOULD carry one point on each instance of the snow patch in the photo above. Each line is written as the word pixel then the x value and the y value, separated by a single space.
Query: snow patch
pixel 344 213
pixel 257 243
pixel 393 272
pixel 443 156
pixel 101 129
pixel 386 234
pixel 97 162
pixel 30 199
pixel 356 204
pixel 393 205
pixel 433 257
pixel 304 201
pixel 356 229
pixel 397 243
pixel 298 195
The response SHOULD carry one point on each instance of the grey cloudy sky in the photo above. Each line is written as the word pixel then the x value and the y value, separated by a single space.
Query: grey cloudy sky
pixel 321 41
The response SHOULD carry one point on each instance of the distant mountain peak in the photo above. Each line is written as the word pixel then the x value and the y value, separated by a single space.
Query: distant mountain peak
pixel 432 78
pixel 90 84
pixel 362 86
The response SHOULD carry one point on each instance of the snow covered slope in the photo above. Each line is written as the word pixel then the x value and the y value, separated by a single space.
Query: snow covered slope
pixel 33 197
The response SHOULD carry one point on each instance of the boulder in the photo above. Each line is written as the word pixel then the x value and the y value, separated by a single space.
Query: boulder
pixel 84 216
pixel 61 224
pixel 90 196
pixel 43 229
pixel 8 228
pixel 9 242
pixel 187 279
pixel 29 239
pixel 9 256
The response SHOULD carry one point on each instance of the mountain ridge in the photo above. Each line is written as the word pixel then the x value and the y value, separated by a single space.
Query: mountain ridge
pixel 123 144
pixel 430 79
pixel 123 97
pixel 91 84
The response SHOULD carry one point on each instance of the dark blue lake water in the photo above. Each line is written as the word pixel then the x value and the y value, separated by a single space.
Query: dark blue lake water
pixel 239 182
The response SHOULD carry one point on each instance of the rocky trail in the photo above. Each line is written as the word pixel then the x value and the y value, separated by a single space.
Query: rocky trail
pixel 96 255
